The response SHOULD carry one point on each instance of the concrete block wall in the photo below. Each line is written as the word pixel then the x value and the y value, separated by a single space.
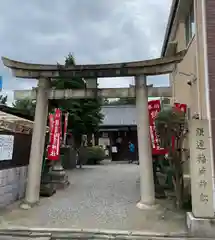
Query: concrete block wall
pixel 12 185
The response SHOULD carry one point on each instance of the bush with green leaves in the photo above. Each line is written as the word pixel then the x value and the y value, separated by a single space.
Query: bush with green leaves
pixel 171 127
pixel 95 154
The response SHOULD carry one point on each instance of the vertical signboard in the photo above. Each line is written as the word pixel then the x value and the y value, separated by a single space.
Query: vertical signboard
pixel 201 169
pixel 6 147
pixel 153 108
pixel 65 127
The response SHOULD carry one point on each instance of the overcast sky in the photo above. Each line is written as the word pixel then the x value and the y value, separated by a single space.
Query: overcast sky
pixel 95 31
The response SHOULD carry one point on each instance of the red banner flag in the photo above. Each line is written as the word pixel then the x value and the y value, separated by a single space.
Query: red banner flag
pixel 54 145
pixel 154 108
pixel 181 106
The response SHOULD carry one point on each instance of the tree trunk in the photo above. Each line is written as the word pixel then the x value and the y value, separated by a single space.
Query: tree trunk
pixel 179 189
pixel 77 141
pixel 89 139
pixel 96 138
pixel 179 180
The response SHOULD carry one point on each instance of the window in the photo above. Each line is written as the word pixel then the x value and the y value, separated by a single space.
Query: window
pixel 189 25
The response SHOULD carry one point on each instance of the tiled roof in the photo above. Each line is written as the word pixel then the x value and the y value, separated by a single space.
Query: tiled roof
pixel 12 118
pixel 14 123
pixel 16 112
pixel 119 115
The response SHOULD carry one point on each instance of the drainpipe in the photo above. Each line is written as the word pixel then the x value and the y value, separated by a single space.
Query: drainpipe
pixel 197 60
pixel 207 84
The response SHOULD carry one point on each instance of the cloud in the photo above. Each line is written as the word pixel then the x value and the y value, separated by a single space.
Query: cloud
pixel 96 31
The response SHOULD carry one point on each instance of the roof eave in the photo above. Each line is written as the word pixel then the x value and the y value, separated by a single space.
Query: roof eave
pixel 173 11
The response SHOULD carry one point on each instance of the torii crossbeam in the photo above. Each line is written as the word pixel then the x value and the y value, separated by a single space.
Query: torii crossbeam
pixel 125 69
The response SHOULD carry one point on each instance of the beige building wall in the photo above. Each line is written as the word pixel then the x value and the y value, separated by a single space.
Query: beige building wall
pixel 191 69
pixel 193 64
pixel 185 71
pixel 199 64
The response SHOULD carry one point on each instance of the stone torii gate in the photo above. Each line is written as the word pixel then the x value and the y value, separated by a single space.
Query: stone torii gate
pixel 45 73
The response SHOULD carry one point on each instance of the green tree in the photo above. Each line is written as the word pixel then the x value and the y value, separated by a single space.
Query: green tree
pixel 26 106
pixel 84 114
pixel 171 124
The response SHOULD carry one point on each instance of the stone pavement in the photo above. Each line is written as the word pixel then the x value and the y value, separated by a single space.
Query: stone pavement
pixel 99 197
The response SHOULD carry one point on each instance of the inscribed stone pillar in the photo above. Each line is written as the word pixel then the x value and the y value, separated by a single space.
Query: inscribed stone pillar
pixel 201 169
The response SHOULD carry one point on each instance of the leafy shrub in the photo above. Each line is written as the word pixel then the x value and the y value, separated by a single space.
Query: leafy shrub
pixel 171 128
pixel 169 122
pixel 95 154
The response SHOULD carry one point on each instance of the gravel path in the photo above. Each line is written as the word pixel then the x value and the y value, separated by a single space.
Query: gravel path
pixel 99 197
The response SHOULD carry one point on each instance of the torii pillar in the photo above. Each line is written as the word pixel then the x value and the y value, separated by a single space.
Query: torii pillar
pixel 147 190
pixel 32 194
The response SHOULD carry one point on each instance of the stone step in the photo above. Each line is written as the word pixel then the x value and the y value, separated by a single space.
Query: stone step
pixel 61 233
pixel 8 237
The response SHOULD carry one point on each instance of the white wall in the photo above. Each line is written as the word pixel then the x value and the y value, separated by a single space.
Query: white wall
pixel 12 185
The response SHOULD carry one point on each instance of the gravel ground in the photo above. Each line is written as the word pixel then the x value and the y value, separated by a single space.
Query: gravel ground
pixel 99 197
